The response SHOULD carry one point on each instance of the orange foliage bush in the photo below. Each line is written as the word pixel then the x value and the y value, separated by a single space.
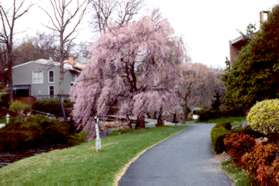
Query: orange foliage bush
pixel 237 144
pixel 261 155
pixel 268 175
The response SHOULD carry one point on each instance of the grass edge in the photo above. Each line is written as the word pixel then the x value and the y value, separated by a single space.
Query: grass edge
pixel 239 178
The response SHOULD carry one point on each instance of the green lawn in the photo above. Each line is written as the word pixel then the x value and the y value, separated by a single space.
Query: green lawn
pixel 239 177
pixel 81 165
pixel 226 119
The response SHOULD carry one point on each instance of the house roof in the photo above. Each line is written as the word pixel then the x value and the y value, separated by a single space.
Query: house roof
pixel 39 61
pixel 237 40
pixel 67 66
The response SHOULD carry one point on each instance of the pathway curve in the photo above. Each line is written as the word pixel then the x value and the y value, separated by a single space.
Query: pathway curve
pixel 183 160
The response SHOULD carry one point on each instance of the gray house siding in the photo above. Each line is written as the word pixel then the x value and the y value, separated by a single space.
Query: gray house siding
pixel 22 75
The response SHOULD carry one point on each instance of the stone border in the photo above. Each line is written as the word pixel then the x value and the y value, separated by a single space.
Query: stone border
pixel 124 169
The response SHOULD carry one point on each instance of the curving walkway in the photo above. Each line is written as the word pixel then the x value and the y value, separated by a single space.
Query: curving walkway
pixel 183 160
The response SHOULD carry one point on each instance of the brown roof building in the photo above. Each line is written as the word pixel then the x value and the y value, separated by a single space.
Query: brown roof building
pixel 235 47
pixel 237 44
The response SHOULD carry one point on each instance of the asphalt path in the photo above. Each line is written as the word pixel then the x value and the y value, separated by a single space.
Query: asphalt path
pixel 183 160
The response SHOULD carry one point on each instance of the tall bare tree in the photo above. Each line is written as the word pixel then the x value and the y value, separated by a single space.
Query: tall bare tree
pixel 114 12
pixel 2 63
pixel 8 19
pixel 65 17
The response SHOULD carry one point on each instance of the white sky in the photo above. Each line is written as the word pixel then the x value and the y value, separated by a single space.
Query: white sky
pixel 206 26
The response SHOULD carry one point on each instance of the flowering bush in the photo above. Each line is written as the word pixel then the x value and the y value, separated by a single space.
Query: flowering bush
pixel 236 144
pixel 268 175
pixel 264 117
pixel 261 155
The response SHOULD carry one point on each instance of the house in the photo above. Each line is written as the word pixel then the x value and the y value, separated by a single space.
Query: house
pixel 237 44
pixel 40 78
pixel 235 47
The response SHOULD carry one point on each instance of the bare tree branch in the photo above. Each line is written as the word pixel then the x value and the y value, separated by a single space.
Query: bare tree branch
pixel 110 13
pixel 52 20
pixel 65 19
pixel 8 21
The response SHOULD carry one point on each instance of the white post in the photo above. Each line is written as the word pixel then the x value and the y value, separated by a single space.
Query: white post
pixel 7 118
pixel 98 139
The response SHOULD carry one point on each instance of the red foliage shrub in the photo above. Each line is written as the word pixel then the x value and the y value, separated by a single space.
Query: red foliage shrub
pixel 237 144
pixel 261 155
pixel 268 175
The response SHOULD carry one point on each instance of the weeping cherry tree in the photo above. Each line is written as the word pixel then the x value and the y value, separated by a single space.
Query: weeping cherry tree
pixel 133 71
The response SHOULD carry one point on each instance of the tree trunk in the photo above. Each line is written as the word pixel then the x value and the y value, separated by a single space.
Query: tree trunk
pixel 129 121
pixel 140 123
pixel 174 119
pixel 160 121
pixel 186 112
pixel 61 61
pixel 155 115
pixel 61 77
pixel 63 108
pixel 10 73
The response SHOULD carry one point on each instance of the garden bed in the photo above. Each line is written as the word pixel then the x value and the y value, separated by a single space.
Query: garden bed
pixel 254 155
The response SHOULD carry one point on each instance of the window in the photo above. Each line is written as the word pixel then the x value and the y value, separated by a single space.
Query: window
pixel 51 91
pixel 51 77
pixel 37 77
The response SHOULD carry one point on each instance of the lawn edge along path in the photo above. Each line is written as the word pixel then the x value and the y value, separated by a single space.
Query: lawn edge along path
pixel 125 168
pixel 83 164
pixel 237 175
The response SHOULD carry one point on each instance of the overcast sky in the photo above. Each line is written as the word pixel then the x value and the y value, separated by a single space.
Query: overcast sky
pixel 206 26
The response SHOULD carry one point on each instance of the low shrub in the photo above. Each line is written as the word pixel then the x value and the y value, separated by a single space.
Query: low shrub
pixel 77 138
pixel 206 114
pixel 226 125
pixel 34 131
pixel 247 130
pixel 261 155
pixel 264 117
pixel 217 137
pixel 51 106
pixel 236 144
pixel 268 175
pixel 19 107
